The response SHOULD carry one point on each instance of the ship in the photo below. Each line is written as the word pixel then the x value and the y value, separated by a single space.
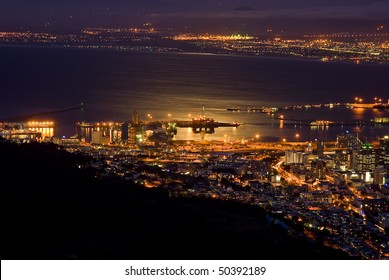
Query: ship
pixel 204 123
pixel 321 123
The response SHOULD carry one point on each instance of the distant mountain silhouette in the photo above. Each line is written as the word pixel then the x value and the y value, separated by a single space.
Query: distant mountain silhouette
pixel 244 9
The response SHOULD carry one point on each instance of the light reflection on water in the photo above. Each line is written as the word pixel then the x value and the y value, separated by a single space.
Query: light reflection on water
pixel 114 84
pixel 270 129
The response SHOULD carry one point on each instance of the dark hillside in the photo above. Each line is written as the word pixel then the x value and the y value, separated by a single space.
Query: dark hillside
pixel 51 209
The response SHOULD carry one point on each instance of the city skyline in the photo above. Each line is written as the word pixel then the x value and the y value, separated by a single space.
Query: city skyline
pixel 169 129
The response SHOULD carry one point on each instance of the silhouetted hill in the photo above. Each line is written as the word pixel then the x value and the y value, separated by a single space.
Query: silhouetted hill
pixel 54 210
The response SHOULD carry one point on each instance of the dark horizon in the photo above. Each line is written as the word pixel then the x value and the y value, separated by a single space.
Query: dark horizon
pixel 230 16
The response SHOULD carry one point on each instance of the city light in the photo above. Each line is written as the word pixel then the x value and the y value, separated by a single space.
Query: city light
pixel 328 181
pixel 210 37
pixel 291 169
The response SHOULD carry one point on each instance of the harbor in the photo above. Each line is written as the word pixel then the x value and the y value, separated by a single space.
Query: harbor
pixel 377 104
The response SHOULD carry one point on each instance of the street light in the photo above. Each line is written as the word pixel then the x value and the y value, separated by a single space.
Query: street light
pixel 257 136
pixel 297 137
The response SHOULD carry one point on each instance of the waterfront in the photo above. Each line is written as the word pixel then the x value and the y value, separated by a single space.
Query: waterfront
pixel 332 192
pixel 113 84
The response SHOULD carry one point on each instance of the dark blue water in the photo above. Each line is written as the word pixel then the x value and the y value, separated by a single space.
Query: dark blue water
pixel 113 84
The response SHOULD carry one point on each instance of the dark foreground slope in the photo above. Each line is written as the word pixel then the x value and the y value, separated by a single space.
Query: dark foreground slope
pixel 53 210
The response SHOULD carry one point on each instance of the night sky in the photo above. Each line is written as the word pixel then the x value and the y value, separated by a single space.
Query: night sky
pixel 197 15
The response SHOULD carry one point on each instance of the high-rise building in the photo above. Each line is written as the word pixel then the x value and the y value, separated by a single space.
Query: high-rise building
pixel 320 148
pixel 319 169
pixel 383 152
pixel 348 141
pixel 135 130
pixel 132 135
pixel 380 174
pixel 125 127
pixel 364 160
pixel 293 157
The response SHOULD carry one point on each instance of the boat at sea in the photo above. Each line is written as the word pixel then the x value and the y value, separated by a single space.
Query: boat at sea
pixel 321 123
pixel 203 124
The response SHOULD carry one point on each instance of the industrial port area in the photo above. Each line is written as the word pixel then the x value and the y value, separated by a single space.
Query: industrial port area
pixel 333 192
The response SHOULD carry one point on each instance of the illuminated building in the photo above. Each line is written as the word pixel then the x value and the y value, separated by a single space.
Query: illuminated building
pixel 383 219
pixel 317 196
pixel 293 157
pixel 21 135
pixel 132 135
pixel 308 149
pixel 135 131
pixel 44 127
pixel 320 148
pixel 71 141
pixel 374 206
pixel 380 174
pixel 383 151
pixel 111 130
pixel 32 130
pixel 364 160
pixel 319 169
pixel 348 141
pixel 99 138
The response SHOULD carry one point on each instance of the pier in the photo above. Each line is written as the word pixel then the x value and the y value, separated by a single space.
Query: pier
pixel 272 110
